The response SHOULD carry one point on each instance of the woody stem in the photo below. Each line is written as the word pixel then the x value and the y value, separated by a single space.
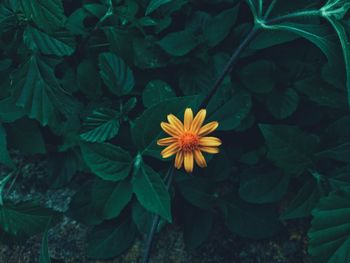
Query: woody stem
pixel 229 65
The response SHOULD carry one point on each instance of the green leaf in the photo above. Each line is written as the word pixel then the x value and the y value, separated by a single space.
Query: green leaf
pixel 216 29
pixel 282 104
pixel 321 93
pixel 61 168
pixel 101 125
pixel 197 226
pixel 151 192
pixel 330 228
pixel 259 76
pixel 147 54
pixel 267 39
pixel 19 132
pixel 44 250
pixel 88 79
pixel 7 19
pixel 26 218
pixel 46 14
pixel 305 200
pixel 146 128
pixel 260 187
pixel 231 113
pixel 289 148
pixel 87 204
pixel 320 36
pixel 4 154
pixel 155 92
pixel 37 90
pixel 179 43
pixel 248 220
pixel 9 112
pixel 108 240
pixel 196 78
pixel 118 199
pixel 339 153
pixel 106 160
pixel 154 5
pixel 343 37
pixel 197 191
pixel 116 74
pixel 141 217
pixel 60 44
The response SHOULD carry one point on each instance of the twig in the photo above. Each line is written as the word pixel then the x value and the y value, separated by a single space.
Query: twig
pixel 229 65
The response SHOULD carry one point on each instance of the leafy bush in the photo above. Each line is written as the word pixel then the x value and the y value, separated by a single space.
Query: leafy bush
pixel 88 83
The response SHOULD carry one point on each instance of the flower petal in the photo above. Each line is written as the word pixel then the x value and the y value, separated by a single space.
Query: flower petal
pixel 211 150
pixel 169 129
pixel 198 121
pixel 166 141
pixel 208 128
pixel 170 150
pixel 188 161
pixel 188 118
pixel 179 159
pixel 174 121
pixel 199 158
pixel 209 141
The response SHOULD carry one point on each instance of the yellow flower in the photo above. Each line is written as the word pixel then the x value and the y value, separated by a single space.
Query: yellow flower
pixel 188 140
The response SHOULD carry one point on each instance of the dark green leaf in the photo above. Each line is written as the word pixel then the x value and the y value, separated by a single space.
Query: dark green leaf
pixel 26 218
pixel 4 155
pixel 289 148
pixel 231 113
pixel 247 220
pixel 197 226
pixel 118 199
pixel 107 161
pixel 218 27
pixel 343 37
pixel 62 167
pixel 39 93
pixel 46 14
pixel 110 240
pixel 282 104
pixel 155 92
pixel 179 43
pixel 60 44
pixel 305 200
pixel 116 74
pixel 154 5
pixel 197 191
pixel 101 125
pixel 9 112
pixel 259 187
pixel 88 79
pixel 151 192
pixel 20 131
pixel 330 229
pixel 259 76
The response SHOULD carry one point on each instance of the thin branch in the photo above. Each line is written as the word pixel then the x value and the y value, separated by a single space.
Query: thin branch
pixel 229 65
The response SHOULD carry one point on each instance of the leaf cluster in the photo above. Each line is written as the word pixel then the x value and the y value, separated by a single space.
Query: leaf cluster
pixel 87 83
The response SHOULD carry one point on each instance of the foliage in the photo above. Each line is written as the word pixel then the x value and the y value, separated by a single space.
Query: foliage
pixel 87 83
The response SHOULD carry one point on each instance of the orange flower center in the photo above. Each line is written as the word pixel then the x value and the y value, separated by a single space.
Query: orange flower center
pixel 188 141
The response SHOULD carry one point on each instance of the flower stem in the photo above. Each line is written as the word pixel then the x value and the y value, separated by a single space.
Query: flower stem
pixel 229 65
pixel 168 181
